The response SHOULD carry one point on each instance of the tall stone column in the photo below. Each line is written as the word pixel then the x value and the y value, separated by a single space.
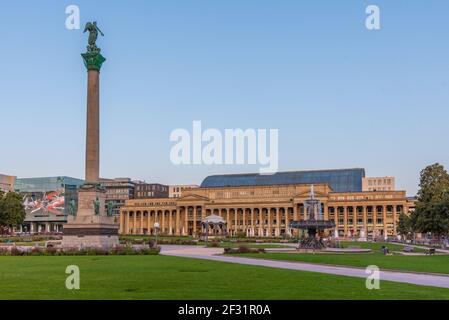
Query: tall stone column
pixel 93 126
pixel 92 227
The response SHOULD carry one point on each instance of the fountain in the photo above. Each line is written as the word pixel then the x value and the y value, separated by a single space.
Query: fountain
pixel 313 224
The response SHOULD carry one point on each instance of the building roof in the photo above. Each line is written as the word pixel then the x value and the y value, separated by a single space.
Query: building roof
pixel 340 180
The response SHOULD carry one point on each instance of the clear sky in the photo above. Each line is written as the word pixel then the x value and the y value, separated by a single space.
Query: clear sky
pixel 341 96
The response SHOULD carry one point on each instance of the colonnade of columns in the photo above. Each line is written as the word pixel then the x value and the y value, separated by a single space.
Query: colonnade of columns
pixel 372 220
pixel 260 221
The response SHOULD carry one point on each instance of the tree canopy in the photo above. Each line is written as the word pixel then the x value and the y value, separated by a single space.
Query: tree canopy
pixel 432 208
pixel 12 212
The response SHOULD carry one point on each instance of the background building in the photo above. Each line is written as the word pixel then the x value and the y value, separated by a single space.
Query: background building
pixel 378 184
pixel 264 205
pixel 143 190
pixel 46 202
pixel 118 190
pixel 176 190
pixel 7 183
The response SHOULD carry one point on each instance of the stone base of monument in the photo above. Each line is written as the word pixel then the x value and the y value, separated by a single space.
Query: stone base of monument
pixel 90 232
pixel 91 227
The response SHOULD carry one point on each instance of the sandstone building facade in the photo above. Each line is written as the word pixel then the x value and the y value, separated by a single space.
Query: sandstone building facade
pixel 264 206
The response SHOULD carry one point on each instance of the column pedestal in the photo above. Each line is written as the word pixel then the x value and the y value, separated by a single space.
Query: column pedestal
pixel 89 229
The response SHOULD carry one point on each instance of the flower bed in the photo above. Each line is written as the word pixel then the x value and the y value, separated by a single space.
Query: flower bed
pixel 117 251
pixel 243 249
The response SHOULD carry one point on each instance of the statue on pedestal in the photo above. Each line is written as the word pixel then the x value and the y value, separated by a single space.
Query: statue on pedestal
pixel 93 35
pixel 110 212
pixel 72 207
pixel 97 204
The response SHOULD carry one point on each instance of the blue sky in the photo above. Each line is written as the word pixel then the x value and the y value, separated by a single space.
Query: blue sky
pixel 341 95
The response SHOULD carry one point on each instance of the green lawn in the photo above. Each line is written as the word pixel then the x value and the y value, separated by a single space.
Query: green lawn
pixel 162 277
pixel 252 245
pixel 377 246
pixel 431 264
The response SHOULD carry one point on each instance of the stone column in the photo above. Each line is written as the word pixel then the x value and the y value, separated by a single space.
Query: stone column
pixel 177 230
pixel 122 222
pixel 261 222
pixel 278 222
pixel 141 223
pixel 384 218
pixel 170 222
pixel 345 220
pixel 336 219
pixel 374 221
pixel 326 212
pixel 149 222
pixel 185 217
pixel 287 222
pixel 163 226
pixel 93 127
pixel 127 222
pixel 134 222
pixel 194 221
pixel 236 222
pixel 365 227
pixel 252 223
pixel 394 220
pixel 270 223
pixel 355 217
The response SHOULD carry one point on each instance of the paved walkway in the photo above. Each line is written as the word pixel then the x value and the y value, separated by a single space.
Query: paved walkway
pixel 196 252
pixel 439 250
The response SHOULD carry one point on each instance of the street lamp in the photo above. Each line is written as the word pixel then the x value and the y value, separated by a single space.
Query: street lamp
pixel 156 228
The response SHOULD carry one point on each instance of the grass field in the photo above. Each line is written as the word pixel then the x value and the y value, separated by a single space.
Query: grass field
pixel 431 264
pixel 251 245
pixel 162 277
pixel 377 246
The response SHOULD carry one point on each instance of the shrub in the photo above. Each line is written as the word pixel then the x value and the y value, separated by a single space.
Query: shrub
pixel 244 249
pixel 17 252
pixel 213 245
pixel 35 251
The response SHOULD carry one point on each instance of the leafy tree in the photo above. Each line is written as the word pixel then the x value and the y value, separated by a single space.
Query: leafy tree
pixel 12 212
pixel 405 226
pixel 432 207
pixel 434 184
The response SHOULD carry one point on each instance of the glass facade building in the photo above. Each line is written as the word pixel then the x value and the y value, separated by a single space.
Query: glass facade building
pixel 49 190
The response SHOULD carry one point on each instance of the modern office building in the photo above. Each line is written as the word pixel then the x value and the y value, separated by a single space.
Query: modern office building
pixel 378 184
pixel 264 205
pixel 7 183
pixel 143 190
pixel 175 191
pixel 118 190
pixel 46 202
